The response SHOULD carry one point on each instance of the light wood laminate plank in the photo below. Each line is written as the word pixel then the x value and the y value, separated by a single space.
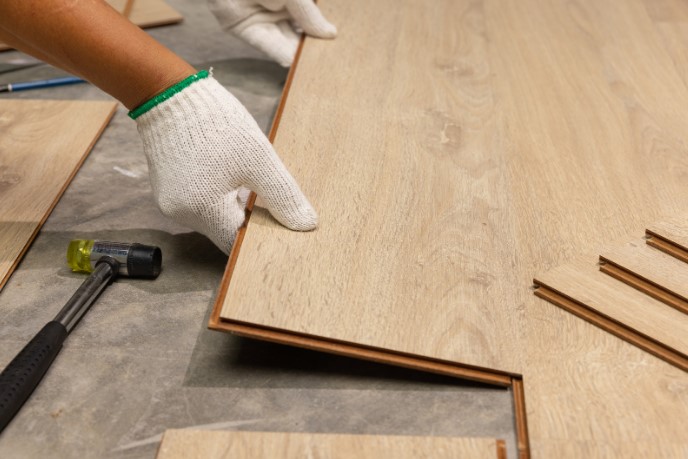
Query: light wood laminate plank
pixel 191 444
pixel 593 105
pixel 153 13
pixel 42 145
pixel 414 196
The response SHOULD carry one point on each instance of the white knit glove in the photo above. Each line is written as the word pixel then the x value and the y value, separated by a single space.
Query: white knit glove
pixel 202 147
pixel 269 24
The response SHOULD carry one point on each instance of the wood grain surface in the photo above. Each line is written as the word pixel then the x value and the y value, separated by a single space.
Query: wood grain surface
pixel 195 444
pixel 143 13
pixel 453 152
pixel 42 145
pixel 400 199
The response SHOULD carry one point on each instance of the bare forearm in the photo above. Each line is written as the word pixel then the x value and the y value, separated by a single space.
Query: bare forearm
pixel 92 40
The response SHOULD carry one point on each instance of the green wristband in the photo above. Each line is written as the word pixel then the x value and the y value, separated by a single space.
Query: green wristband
pixel 167 93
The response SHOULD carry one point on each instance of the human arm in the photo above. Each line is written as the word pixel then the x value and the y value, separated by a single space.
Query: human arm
pixel 201 144
pixel 91 39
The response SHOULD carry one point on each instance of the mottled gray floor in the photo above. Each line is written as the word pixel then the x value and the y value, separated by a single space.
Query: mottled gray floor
pixel 142 360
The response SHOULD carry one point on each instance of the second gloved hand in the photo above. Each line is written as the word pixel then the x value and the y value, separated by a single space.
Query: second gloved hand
pixel 202 148
pixel 269 24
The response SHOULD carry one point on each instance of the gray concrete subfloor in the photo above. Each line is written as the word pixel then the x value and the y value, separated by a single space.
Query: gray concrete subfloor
pixel 142 360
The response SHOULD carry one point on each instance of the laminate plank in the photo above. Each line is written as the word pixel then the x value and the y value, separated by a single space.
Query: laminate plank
pixel 584 87
pixel 453 153
pixel 143 13
pixel 649 270
pixel 670 18
pixel 427 246
pixel 42 145
pixel 564 448
pixel 153 13
pixel 671 237
pixel 607 299
pixel 669 11
pixel 190 444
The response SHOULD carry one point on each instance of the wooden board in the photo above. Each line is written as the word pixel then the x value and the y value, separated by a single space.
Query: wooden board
pixel 452 152
pixel 190 444
pixel 42 145
pixel 143 13
pixel 670 237
pixel 651 271
pixel 581 288
pixel 424 249
pixel 150 13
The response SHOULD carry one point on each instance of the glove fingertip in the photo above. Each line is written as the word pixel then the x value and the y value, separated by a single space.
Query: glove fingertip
pixel 307 220
pixel 326 30
pixel 301 217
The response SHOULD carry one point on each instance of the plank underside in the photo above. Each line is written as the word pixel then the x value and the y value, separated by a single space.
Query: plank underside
pixel 144 13
pixel 454 151
pixel 192 444
pixel 42 145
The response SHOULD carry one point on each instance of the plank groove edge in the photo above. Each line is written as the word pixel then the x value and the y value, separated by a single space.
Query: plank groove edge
pixel 615 328
pixel 501 449
pixel 523 443
pixel 667 246
pixel 646 286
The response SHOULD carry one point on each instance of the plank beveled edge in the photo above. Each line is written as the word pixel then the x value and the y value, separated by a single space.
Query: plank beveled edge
pixel 642 284
pixel 494 377
pixel 610 325
pixel 666 245
pixel 87 151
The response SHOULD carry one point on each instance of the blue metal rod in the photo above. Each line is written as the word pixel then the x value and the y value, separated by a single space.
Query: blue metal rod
pixel 12 87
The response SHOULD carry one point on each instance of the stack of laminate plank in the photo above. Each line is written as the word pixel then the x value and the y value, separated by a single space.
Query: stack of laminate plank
pixel 639 292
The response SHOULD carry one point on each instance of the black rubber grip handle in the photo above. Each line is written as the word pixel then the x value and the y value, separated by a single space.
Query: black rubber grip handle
pixel 22 375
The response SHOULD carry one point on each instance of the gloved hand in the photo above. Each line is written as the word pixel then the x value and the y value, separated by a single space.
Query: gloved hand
pixel 267 24
pixel 202 148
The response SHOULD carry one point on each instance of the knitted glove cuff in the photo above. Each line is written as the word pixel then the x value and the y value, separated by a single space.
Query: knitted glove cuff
pixel 167 94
